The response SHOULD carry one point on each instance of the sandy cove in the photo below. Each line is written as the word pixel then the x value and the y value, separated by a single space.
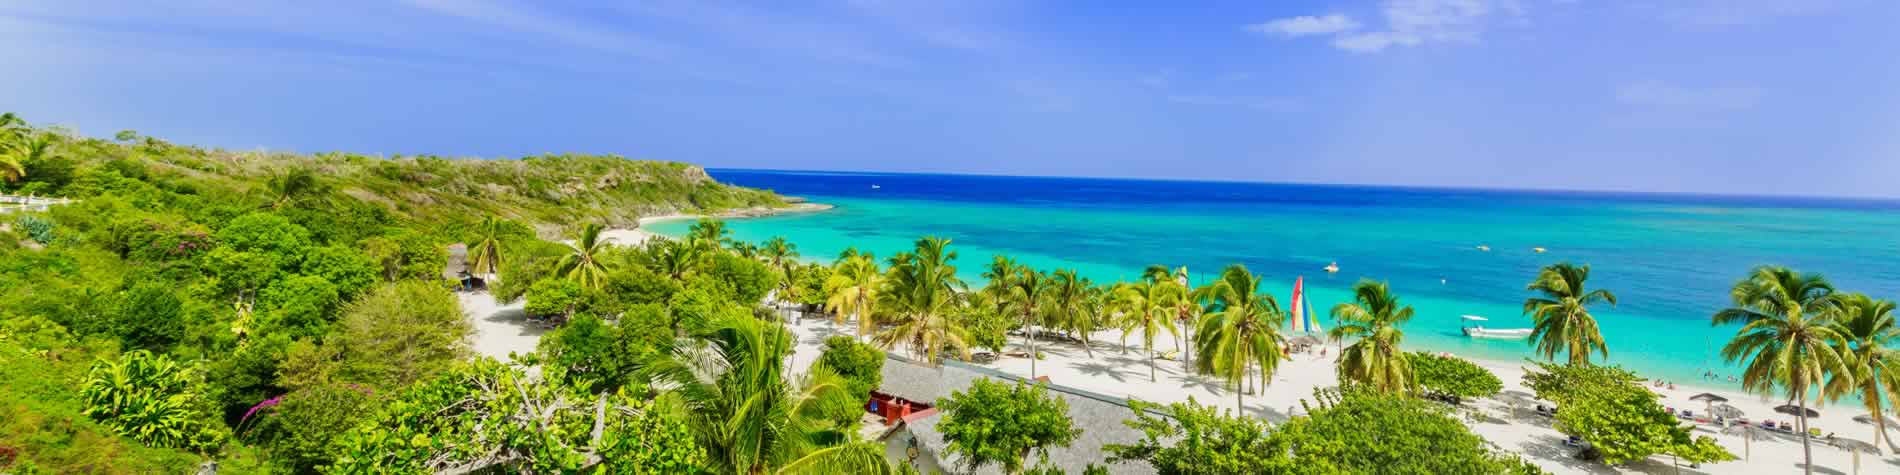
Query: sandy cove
pixel 636 236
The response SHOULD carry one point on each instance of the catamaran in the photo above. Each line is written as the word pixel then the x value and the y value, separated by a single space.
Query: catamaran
pixel 1477 330
pixel 1302 310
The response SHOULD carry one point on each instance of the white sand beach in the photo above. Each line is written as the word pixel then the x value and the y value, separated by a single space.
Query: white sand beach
pixel 636 236
pixel 1113 372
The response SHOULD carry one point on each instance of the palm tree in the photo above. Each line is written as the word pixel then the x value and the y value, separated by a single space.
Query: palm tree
pixel 292 185
pixel 782 255
pixel 1070 298
pixel 1000 277
pixel 1180 297
pixel 1373 317
pixel 1144 310
pixel 1872 341
pixel 711 233
pixel 853 288
pixel 1029 291
pixel 1788 337
pixel 920 290
pixel 582 263
pixel 485 256
pixel 14 157
pixel 675 259
pixel 751 416
pixel 1561 314
pixel 1243 332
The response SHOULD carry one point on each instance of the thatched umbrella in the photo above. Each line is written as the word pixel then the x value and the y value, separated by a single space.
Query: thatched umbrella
pixel 1708 400
pixel 1305 340
pixel 1725 411
pixel 1794 410
pixel 1749 433
pixel 1855 446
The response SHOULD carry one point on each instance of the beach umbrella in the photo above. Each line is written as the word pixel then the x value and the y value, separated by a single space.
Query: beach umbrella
pixel 1708 400
pixel 1855 447
pixel 1726 411
pixel 1865 419
pixel 1305 340
pixel 1749 433
pixel 1794 410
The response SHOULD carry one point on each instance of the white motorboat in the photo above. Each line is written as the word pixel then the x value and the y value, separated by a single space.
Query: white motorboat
pixel 1477 330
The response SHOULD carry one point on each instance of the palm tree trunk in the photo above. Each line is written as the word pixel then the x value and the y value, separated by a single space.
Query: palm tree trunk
pixel 1240 407
pixel 1029 330
pixel 1807 450
pixel 1151 363
pixel 1872 397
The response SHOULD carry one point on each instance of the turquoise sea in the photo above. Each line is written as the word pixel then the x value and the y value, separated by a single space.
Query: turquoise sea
pixel 1670 258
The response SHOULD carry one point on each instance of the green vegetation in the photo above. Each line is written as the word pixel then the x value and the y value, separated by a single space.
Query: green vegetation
pixel 1354 430
pixel 197 304
pixel 1241 332
pixel 1621 420
pixel 1452 378
pixel 997 423
pixel 1561 314
pixel 1789 340
pixel 1375 360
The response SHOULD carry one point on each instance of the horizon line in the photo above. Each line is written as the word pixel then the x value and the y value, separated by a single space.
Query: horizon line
pixel 1894 200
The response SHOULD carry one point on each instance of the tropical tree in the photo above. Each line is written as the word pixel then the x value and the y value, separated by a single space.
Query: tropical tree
pixel 1028 294
pixel 711 233
pixel 853 289
pixel 15 154
pixel 750 415
pixel 1872 352
pixel 999 280
pixel 292 185
pixel 1180 297
pixel 676 259
pixel 1000 423
pixel 1561 313
pixel 920 292
pixel 1243 332
pixel 1375 360
pixel 486 255
pixel 1788 337
pixel 782 255
pixel 1071 299
pixel 1145 313
pixel 583 263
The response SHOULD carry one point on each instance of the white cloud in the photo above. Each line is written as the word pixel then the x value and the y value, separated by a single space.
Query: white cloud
pixel 1306 25
pixel 1662 94
pixel 1406 23
pixel 1265 103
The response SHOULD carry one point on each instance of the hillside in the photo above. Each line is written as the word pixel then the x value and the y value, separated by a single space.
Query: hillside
pixel 547 191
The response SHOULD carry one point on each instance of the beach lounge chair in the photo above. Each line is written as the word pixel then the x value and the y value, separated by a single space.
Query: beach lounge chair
pixel 1574 441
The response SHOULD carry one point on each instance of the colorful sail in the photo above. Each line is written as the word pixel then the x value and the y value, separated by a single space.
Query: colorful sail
pixel 1299 307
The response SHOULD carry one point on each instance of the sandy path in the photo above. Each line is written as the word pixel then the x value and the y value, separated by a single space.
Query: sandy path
pixel 499 329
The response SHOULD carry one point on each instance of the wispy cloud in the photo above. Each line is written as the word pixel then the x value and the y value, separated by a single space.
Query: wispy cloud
pixel 1263 103
pixel 1305 26
pixel 1405 23
pixel 528 20
pixel 1663 94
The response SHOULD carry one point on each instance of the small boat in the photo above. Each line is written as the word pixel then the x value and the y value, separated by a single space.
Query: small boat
pixel 874 186
pixel 1477 330
pixel 1538 250
pixel 1484 248
pixel 1332 268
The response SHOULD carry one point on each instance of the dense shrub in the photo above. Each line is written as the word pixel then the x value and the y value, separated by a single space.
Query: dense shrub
pixel 551 297
pixel 152 399
pixel 302 430
pixel 395 335
pixel 1451 377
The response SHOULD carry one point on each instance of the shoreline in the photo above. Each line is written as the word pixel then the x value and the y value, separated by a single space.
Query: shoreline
pixel 636 236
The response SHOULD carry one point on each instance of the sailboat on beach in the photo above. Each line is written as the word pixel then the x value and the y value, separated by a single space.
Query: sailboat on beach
pixel 1302 310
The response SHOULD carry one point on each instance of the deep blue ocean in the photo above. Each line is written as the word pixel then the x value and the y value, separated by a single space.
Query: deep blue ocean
pixel 1669 258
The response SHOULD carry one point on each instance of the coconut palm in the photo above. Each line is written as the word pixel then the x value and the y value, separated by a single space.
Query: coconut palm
pixel 1145 313
pixel 1000 277
pixel 1028 295
pixel 1872 347
pixel 1562 316
pixel 1375 359
pixel 782 256
pixel 920 290
pixel 853 289
pixel 582 263
pixel 486 255
pixel 675 259
pixel 750 415
pixel 1070 300
pixel 1180 297
pixel 1787 339
pixel 711 233
pixel 16 153
pixel 293 185
pixel 1243 331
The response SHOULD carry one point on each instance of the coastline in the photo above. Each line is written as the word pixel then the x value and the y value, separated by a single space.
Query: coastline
pixel 636 236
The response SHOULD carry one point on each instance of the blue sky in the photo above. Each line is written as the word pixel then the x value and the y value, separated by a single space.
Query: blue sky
pixel 1725 96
